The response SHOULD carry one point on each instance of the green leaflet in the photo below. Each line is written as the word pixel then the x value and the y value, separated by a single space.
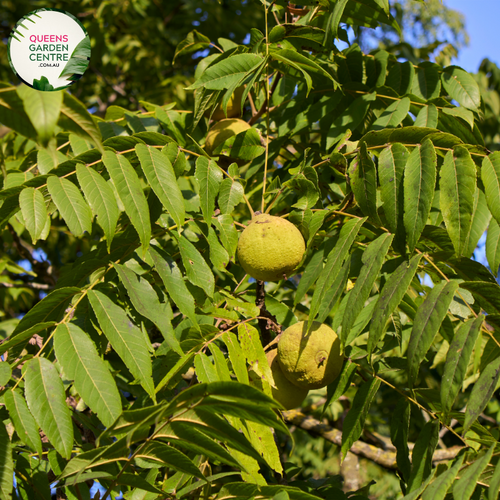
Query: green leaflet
pixel 400 423
pixel 310 274
pixel 81 363
pixel 43 110
pixel 462 87
pixel 373 258
pixel 197 269
pixel 146 302
pixel 101 199
pixel 440 486
pixel 162 179
pixel 79 60
pixel 391 167
pixel 458 187
pixel 427 321
pixel 490 175
pixel 47 403
pixel 223 74
pixel 75 118
pixel 236 356
pixel 363 178
pixel 494 484
pixel 209 177
pixel 481 217
pixel 427 117
pixel 128 186
pixel 194 41
pixel 173 280
pixel 393 115
pixel 23 421
pixel 340 385
pixel 457 361
pixel 400 78
pixel 355 419
pixel 487 294
pixel 230 194
pixel 71 205
pixel 6 464
pixel 426 83
pixel 419 184
pixel 390 297
pixel 465 486
pixel 333 264
pixel 126 338
pixel 422 454
pixel 333 22
pixel 493 246
pixel 34 211
pixel 481 392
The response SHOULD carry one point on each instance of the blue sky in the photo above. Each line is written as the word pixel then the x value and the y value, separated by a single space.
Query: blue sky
pixel 482 24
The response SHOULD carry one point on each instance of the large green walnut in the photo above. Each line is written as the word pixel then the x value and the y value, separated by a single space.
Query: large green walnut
pixel 270 248
pixel 233 107
pixel 310 360
pixel 286 393
pixel 222 131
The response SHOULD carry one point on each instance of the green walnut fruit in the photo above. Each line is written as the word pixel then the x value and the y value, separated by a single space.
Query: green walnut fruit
pixel 286 393
pixel 233 107
pixel 310 360
pixel 270 248
pixel 222 131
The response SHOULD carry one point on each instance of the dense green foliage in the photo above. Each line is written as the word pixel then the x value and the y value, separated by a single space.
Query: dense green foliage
pixel 132 342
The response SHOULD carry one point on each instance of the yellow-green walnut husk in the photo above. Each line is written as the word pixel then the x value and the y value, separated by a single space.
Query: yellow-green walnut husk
pixel 270 248
pixel 286 393
pixel 222 131
pixel 233 106
pixel 310 360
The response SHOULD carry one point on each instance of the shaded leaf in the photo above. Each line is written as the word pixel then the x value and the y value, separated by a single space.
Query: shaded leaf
pixel 6 464
pixel 493 246
pixel 400 423
pixel 47 403
pixel 440 486
pixel 465 486
pixel 194 41
pixel 393 115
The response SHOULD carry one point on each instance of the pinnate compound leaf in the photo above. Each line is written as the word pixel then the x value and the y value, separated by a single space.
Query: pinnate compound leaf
pixel 101 199
pixel 173 280
pixel 125 337
pixel 34 211
pixel 81 363
pixel 458 187
pixel 363 178
pixel 400 423
pixel 373 258
pixel 465 486
pixel 6 464
pixel 457 361
pixel 419 185
pixel 440 486
pixel 427 322
pixel 481 392
pixel 23 421
pixel 47 403
pixel 209 177
pixel 462 87
pixel 493 246
pixel 128 186
pixel 333 264
pixel 390 297
pixel 355 419
pixel 490 175
pixel 75 118
pixel 161 177
pixel 421 456
pixel 71 205
pixel 43 110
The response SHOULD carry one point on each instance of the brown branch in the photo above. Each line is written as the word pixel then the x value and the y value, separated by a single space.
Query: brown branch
pixel 381 457
pixel 34 286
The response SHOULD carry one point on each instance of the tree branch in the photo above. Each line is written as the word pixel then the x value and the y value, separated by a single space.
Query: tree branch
pixel 384 458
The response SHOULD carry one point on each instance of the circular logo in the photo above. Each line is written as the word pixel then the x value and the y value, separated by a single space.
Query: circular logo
pixel 49 49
